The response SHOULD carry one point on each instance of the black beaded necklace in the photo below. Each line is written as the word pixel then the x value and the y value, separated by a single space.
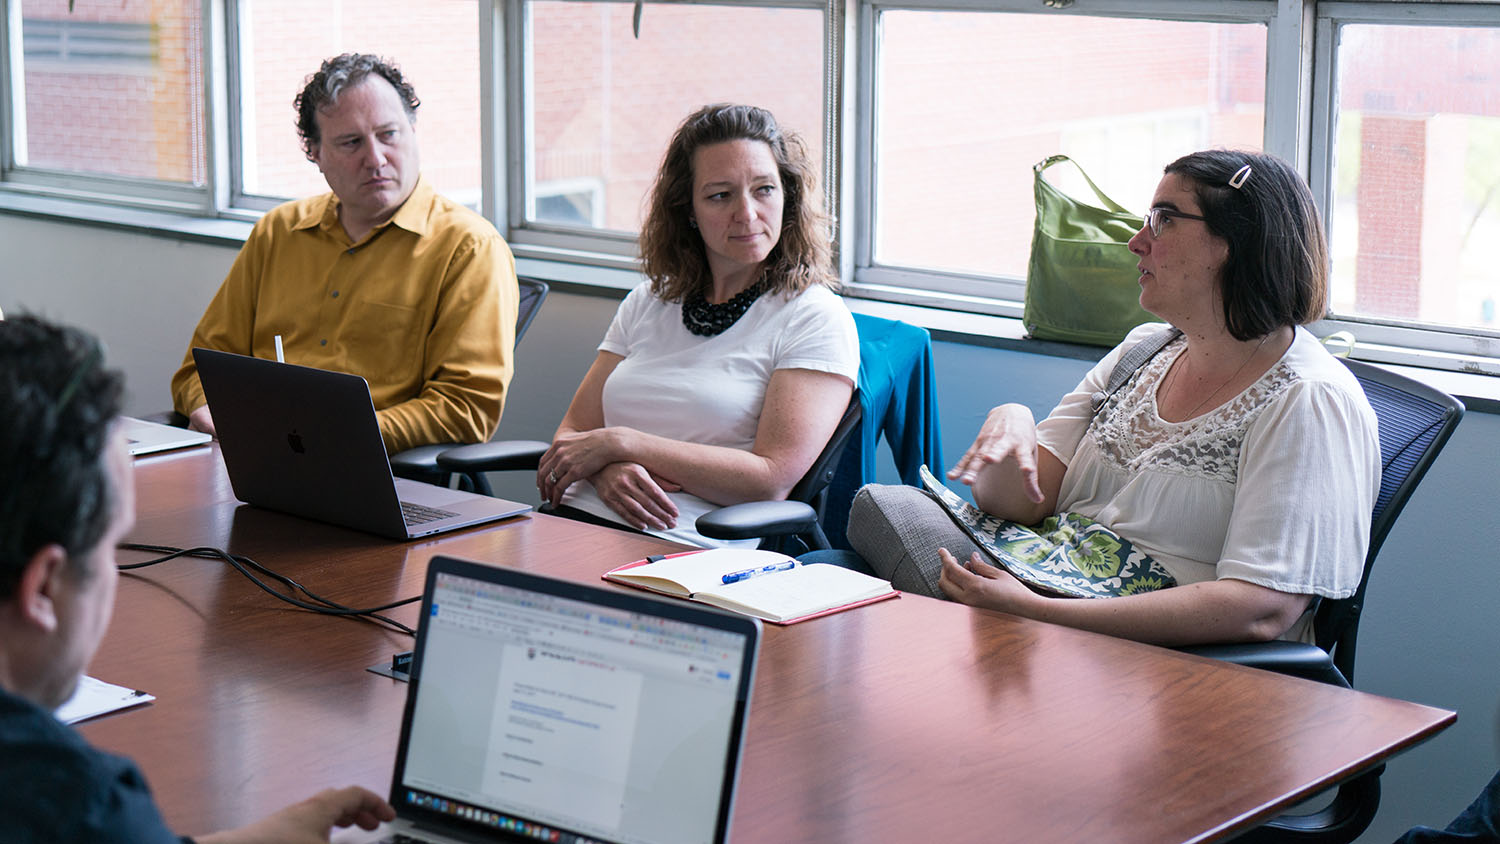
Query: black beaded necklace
pixel 706 320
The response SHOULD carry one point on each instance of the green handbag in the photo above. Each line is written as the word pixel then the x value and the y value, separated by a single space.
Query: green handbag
pixel 1082 284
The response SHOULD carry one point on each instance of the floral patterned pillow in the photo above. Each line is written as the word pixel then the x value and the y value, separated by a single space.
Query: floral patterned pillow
pixel 1069 555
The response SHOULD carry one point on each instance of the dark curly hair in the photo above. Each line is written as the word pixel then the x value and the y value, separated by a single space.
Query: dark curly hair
pixel 322 90
pixel 60 403
pixel 1277 270
pixel 672 251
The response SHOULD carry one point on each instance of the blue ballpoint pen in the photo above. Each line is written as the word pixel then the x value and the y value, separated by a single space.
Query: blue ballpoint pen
pixel 737 576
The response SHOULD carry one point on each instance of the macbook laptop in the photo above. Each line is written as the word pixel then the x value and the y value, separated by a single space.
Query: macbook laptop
pixel 306 441
pixel 144 437
pixel 546 710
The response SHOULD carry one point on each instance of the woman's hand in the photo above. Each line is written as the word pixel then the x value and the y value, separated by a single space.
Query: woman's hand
pixel 577 455
pixel 982 585
pixel 637 496
pixel 1007 438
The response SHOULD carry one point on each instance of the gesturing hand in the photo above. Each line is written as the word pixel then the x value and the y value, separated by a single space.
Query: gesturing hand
pixel 1007 436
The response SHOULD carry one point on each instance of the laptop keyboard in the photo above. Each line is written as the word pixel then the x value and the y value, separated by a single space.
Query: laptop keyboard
pixel 417 514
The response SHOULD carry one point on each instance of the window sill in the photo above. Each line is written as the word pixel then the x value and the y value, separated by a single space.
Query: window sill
pixel 222 232
pixel 1479 391
pixel 1475 381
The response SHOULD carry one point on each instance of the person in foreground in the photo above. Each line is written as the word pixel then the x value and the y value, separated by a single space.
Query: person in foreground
pixel 1242 457
pixel 380 277
pixel 67 498
pixel 720 379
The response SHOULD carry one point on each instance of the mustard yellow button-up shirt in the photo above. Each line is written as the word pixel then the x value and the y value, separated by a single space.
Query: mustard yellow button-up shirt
pixel 424 309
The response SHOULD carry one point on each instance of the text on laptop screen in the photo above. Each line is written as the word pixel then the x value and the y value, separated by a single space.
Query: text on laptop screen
pixel 605 722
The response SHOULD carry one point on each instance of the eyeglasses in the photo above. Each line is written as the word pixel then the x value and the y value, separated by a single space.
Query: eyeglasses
pixel 1158 216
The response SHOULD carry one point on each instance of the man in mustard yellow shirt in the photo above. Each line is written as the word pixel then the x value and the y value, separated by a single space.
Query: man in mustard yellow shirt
pixel 381 277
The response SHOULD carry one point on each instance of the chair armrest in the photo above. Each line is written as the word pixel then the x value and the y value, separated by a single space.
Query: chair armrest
pixel 757 519
pixel 418 462
pixel 498 456
pixel 166 417
pixel 1294 658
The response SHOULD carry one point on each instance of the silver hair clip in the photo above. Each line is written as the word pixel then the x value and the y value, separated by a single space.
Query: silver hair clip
pixel 1238 179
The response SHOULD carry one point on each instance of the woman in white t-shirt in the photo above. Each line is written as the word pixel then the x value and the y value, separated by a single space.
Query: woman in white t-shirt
pixel 722 378
pixel 1241 457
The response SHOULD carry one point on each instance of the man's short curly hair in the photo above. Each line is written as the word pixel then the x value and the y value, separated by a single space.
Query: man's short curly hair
pixel 322 90
pixel 60 402
pixel 672 251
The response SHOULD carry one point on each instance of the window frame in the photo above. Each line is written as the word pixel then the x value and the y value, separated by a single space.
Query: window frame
pixel 1300 88
pixel 1399 341
pixel 1003 295
pixel 619 249
pixel 122 191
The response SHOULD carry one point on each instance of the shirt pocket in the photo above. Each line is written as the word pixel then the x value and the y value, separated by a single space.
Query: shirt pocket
pixel 384 343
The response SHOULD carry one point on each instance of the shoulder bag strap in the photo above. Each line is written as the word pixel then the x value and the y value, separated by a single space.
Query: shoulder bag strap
pixel 1134 358
pixel 1109 204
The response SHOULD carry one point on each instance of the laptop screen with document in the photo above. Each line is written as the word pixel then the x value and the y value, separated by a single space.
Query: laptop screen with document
pixel 564 712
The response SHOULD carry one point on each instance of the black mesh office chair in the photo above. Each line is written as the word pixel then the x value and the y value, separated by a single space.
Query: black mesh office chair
pixel 795 525
pixel 779 524
pixel 1415 423
pixel 420 463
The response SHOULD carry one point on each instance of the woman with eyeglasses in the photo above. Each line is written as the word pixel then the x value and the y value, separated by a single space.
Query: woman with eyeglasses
pixel 1241 457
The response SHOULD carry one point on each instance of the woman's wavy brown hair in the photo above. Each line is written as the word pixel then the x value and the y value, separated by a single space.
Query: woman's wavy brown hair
pixel 672 251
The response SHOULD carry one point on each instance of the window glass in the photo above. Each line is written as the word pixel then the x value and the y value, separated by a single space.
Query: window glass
pixel 967 102
pixel 1416 187
pixel 434 42
pixel 112 87
pixel 604 103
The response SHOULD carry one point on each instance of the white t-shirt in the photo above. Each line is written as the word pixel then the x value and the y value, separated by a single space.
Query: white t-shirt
pixel 709 390
pixel 1275 487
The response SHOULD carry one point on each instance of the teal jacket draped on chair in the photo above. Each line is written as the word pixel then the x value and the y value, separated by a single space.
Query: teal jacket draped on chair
pixel 898 391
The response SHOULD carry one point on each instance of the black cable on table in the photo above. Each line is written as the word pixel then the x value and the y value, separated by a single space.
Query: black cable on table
pixel 249 568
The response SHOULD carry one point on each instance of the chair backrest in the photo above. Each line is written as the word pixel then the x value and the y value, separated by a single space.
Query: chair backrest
pixel 1415 422
pixel 814 484
pixel 533 292
pixel 420 463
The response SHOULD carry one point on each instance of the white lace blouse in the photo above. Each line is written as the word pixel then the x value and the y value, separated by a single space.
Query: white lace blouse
pixel 1274 487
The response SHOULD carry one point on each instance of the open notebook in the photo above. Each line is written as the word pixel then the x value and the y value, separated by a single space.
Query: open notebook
pixel 763 584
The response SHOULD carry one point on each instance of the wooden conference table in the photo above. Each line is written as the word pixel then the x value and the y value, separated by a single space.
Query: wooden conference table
pixel 907 720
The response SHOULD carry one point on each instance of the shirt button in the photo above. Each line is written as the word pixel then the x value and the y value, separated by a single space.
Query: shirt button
pixel 335 294
pixel 322 342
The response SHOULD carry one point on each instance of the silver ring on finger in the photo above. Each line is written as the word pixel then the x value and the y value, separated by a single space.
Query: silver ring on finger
pixel 551 477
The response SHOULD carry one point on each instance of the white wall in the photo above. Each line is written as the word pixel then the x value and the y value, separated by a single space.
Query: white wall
pixel 141 294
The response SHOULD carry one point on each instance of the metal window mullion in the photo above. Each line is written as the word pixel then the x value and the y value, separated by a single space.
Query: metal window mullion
pixel 518 88
pixel 863 191
pixel 1289 62
pixel 12 90
pixel 1324 144
pixel 494 113
pixel 223 69
pixel 837 76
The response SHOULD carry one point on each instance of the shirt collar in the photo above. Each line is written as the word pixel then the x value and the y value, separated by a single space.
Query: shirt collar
pixel 323 212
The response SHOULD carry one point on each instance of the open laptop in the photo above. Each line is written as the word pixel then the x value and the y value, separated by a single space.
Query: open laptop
pixel 306 441
pixel 145 437
pixel 547 710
